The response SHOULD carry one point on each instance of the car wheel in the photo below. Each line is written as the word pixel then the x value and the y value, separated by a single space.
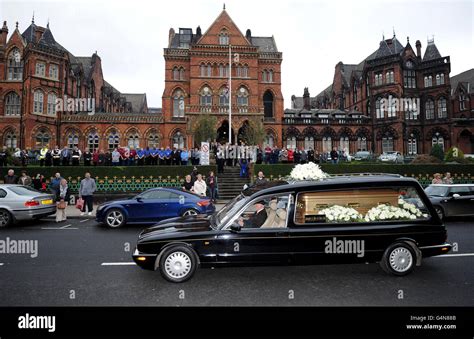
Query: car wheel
pixel 178 263
pixel 399 259
pixel 440 212
pixel 189 212
pixel 114 218
pixel 5 218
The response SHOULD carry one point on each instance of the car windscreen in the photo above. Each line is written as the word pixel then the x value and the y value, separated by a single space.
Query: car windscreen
pixel 24 190
pixel 230 209
pixel 436 191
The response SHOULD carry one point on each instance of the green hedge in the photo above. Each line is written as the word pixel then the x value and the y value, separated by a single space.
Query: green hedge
pixel 111 171
pixel 422 172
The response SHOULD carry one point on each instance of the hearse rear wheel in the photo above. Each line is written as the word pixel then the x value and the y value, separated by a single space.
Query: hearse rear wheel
pixel 178 263
pixel 399 259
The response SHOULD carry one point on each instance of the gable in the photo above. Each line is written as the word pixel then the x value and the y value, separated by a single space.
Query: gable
pixel 223 22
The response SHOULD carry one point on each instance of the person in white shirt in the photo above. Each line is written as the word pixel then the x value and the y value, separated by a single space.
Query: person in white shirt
pixel 200 186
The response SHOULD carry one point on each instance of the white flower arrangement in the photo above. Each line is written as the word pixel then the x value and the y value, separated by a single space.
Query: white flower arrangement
pixel 337 213
pixel 387 212
pixel 309 171
pixel 410 208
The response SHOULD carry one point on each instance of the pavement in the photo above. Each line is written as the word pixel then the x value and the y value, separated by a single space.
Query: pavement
pixel 81 263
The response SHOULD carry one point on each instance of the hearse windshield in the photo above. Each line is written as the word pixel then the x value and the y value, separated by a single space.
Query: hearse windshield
pixel 229 210
pixel 436 191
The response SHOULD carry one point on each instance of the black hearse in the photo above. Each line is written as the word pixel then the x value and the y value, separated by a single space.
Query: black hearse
pixel 352 218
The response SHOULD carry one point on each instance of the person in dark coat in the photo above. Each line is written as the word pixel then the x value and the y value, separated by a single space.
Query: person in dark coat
pixel 257 219
pixel 10 178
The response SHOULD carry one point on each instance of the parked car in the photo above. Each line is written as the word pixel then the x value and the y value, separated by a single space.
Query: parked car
pixel 151 206
pixel 297 228
pixel 391 156
pixel 363 156
pixel 18 202
pixel 452 200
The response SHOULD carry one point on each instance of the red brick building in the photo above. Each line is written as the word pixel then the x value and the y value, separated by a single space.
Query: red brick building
pixel 196 81
pixel 395 99
pixel 36 72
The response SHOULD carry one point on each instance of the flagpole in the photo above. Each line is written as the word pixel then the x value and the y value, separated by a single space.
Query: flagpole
pixel 230 95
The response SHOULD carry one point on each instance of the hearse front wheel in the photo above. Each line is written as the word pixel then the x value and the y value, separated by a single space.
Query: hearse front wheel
pixel 399 259
pixel 178 263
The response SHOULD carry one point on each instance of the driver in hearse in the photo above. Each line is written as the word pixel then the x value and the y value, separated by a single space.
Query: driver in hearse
pixel 257 219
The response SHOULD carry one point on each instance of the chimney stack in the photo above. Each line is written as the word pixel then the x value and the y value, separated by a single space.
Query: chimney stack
pixel 3 34
pixel 170 36
pixel 418 49
pixel 306 99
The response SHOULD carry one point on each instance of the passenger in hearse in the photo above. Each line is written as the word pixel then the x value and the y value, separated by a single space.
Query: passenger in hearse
pixel 257 219
pixel 272 215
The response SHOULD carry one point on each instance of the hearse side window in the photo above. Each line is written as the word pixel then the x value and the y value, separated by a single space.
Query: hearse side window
pixel 359 205
pixel 265 212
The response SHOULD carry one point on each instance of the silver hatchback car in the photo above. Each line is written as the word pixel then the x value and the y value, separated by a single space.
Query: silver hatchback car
pixel 18 202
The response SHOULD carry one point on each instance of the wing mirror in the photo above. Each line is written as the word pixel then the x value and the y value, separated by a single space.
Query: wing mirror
pixel 139 199
pixel 455 196
pixel 235 228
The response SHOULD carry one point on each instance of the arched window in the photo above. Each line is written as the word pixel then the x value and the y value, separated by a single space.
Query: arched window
pixel 264 76
pixel 10 139
pixel 270 76
pixel 268 104
pixel 429 109
pixel 178 104
pixel 462 101
pixel 440 79
pixel 379 112
pixel 206 96
pixel 202 69
pixel 437 139
pixel 223 38
pixel 327 144
pixel 133 139
pixel 178 140
pixel 51 103
pixel 428 80
pixel 92 141
pixel 224 97
pixel 245 71
pixel 344 143
pixel 42 138
pixel 387 143
pixel 361 143
pixel 412 145
pixel 269 140
pixel 308 143
pixel 392 107
pixel 153 139
pixel 209 70
pixel 175 73
pixel 181 73
pixel 12 104
pixel 291 143
pixel 14 65
pixel 38 101
pixel 113 140
pixel 72 140
pixel 442 108
pixel 242 97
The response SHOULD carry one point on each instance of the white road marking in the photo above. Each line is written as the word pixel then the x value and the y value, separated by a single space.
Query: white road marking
pixel 1 264
pixel 84 220
pixel 59 228
pixel 456 255
pixel 439 256
pixel 66 226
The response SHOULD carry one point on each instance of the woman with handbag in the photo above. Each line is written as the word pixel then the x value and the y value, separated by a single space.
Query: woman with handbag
pixel 62 198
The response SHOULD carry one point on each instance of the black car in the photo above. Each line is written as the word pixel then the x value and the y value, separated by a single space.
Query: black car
pixel 451 200
pixel 376 218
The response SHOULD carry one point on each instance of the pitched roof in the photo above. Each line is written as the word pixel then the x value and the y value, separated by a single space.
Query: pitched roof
pixel 138 101
pixel 466 78
pixel 387 47
pixel 264 44
pixel 431 52
pixel 46 39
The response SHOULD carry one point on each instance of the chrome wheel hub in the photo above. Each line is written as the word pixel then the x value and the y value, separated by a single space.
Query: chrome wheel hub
pixel 114 219
pixel 177 265
pixel 401 259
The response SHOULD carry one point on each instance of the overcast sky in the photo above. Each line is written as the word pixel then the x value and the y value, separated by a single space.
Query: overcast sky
pixel 129 35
